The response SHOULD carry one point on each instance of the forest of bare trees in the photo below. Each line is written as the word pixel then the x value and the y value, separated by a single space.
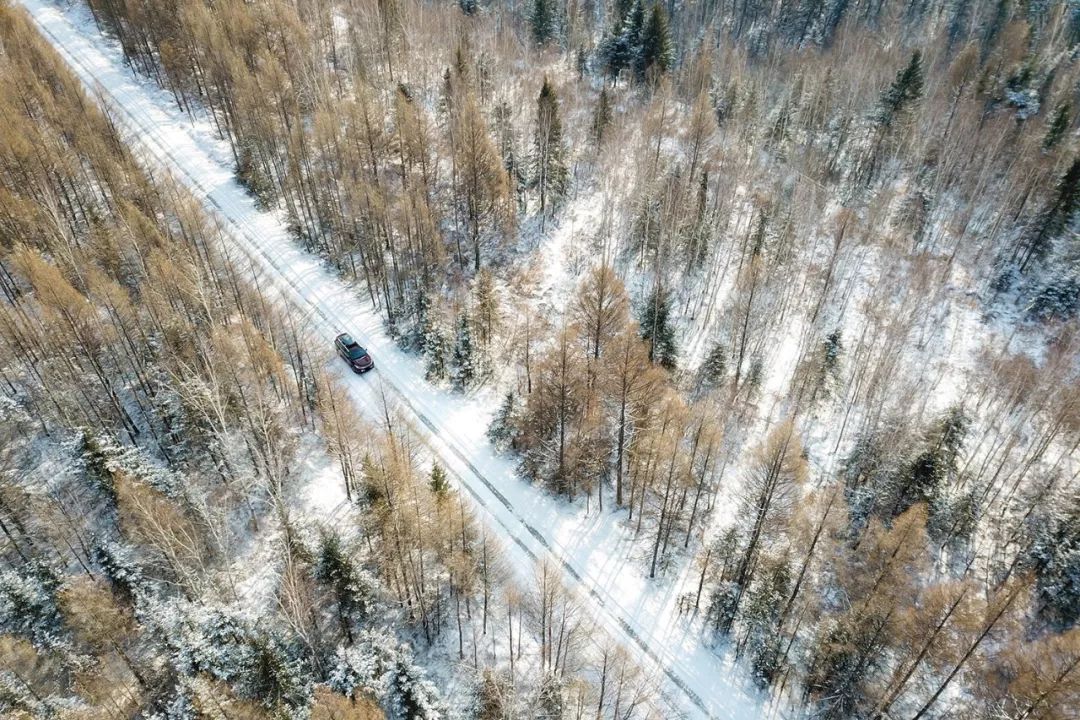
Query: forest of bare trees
pixel 789 290
pixel 156 409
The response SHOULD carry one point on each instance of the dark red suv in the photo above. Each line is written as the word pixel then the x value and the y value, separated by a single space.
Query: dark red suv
pixel 350 351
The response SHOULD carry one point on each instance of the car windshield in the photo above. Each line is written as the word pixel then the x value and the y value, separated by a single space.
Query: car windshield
pixel 356 352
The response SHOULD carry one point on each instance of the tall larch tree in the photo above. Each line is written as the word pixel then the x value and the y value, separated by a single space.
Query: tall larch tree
pixel 482 187
pixel 767 498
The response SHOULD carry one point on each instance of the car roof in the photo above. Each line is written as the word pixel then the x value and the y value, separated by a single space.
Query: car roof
pixel 346 339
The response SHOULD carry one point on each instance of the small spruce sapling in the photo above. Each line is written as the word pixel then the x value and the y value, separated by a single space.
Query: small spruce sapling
pixel 337 571
pixel 465 370
pixel 436 348
pixel 439 483
pixel 656 329
pixel 714 367
pixel 502 431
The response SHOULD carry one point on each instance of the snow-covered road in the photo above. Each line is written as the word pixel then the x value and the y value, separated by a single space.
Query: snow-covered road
pixel 594 551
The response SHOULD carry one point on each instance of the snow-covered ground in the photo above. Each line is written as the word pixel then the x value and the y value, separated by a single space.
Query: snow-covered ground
pixel 597 555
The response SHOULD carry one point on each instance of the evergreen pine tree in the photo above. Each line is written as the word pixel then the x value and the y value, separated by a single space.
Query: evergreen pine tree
pixel 550 703
pixel 1055 557
pixel 622 8
pixel 493 697
pixel 656 329
pixel 276 675
pixel 250 174
pixel 123 574
pixel 621 49
pixel 543 21
pixel 754 374
pixel 421 311
pixel 935 465
pixel 832 346
pixel 1054 218
pixel 904 92
pixel 365 666
pixel 549 163
pixel 28 603
pixel 714 367
pixel 893 106
pixel 469 7
pixel 502 430
pixel 97 473
pixel 656 52
pixel 828 365
pixel 761 614
pixel 833 15
pixel 378 666
pixel 336 570
pixel 436 349
pixel 996 23
pixel 486 304
pixel 446 106
pixel 696 243
pixel 1059 123
pixel 412 696
pixel 464 353
pixel 601 117
pixel 958 23
pixel 438 482
pixel 779 133
pixel 1060 298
